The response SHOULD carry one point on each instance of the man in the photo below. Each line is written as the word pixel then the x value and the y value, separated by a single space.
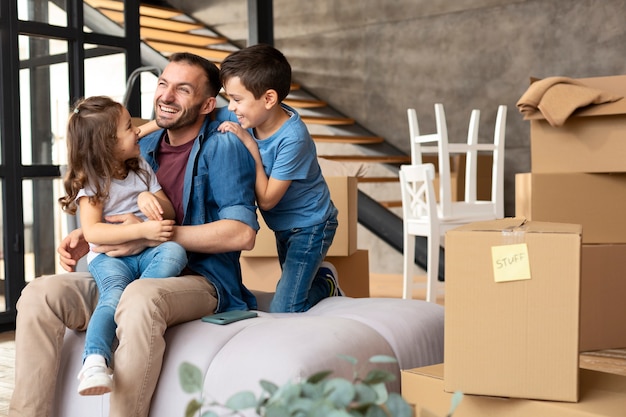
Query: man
pixel 210 179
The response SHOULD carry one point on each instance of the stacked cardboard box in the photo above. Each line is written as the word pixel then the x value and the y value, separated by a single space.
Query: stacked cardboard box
pixel 260 267
pixel 512 309
pixel 601 395
pixel 578 175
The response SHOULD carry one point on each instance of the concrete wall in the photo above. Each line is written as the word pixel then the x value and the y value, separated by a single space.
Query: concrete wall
pixel 372 59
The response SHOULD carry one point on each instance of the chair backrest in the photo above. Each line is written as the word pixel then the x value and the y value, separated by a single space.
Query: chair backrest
pixel 470 148
pixel 438 145
pixel 418 193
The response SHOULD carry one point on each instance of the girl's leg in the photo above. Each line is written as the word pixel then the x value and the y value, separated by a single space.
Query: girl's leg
pixel 163 261
pixel 112 275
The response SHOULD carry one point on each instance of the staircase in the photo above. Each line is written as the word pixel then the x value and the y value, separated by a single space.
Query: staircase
pixel 338 137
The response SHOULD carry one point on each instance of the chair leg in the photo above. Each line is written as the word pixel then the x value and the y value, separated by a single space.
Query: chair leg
pixel 409 260
pixel 432 272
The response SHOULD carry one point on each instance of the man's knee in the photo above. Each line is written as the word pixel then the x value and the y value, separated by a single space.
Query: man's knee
pixel 57 287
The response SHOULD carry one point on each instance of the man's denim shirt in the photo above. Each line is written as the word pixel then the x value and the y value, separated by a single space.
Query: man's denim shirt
pixel 219 184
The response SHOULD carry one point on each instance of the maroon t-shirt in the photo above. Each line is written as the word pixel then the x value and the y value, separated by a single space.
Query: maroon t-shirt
pixel 172 164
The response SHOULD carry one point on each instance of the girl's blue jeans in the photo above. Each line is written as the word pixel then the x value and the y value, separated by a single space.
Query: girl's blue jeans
pixel 300 253
pixel 112 275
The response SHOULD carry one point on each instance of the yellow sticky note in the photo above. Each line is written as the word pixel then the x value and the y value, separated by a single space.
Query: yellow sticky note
pixel 510 262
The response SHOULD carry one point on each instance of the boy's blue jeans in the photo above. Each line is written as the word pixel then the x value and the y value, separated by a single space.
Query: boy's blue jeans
pixel 112 275
pixel 300 253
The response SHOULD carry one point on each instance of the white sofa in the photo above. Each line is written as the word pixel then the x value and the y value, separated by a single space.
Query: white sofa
pixel 275 347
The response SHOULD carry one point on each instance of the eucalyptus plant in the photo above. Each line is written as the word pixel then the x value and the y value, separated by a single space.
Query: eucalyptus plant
pixel 320 395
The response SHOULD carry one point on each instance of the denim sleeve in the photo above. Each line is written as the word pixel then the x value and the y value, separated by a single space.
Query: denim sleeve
pixel 232 177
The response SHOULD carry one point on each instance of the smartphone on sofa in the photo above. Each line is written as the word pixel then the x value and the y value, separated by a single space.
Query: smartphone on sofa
pixel 229 316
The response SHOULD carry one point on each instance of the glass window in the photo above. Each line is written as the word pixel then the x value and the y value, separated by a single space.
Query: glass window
pixel 2 258
pixel 110 17
pixel 148 88
pixel 45 225
pixel 105 72
pixel 44 99
pixel 49 12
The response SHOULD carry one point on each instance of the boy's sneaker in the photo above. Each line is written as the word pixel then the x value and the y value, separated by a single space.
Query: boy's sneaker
pixel 95 380
pixel 329 272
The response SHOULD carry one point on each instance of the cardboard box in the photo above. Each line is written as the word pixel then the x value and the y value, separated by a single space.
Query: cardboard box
pixel 601 395
pixel 262 273
pixel 596 201
pixel 593 139
pixel 512 309
pixel 603 298
pixel 343 192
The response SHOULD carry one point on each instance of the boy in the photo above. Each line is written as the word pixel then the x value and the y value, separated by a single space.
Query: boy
pixel 291 192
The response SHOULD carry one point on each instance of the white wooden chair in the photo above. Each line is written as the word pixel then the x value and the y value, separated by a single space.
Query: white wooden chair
pixel 449 213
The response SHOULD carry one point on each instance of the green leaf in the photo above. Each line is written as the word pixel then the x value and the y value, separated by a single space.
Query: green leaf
pixel 276 410
pixel 268 386
pixel 320 376
pixel 209 414
pixel 349 358
pixel 241 401
pixel 456 400
pixel 192 408
pixel 190 378
pixel 377 376
pixel 397 406
pixel 340 392
pixel 383 359
pixel 285 394
pixel 375 411
pixel 365 394
pixel 381 393
pixel 313 391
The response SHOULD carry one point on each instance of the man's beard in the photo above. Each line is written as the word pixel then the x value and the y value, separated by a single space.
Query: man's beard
pixel 186 118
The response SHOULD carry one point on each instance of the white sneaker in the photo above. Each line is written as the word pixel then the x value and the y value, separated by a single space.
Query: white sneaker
pixel 95 380
pixel 330 273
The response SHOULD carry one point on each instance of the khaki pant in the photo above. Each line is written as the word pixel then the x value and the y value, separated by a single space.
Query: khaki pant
pixel 148 306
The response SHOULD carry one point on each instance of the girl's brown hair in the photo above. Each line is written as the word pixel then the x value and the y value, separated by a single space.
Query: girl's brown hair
pixel 91 140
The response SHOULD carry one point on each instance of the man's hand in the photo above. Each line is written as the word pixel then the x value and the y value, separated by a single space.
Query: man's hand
pixel 127 218
pixel 72 248
pixel 125 249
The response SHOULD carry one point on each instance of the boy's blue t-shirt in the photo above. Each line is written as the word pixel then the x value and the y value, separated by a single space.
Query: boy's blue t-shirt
pixel 290 155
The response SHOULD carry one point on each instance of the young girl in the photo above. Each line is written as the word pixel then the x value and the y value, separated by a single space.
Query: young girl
pixel 107 176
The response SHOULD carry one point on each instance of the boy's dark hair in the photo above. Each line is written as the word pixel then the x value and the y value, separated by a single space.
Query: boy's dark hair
pixel 210 69
pixel 260 68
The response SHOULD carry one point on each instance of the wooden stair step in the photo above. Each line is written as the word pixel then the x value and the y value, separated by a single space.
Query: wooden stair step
pixel 144 9
pixel 167 48
pixel 183 38
pixel 304 103
pixel 353 139
pixel 153 22
pixel 383 159
pixel 378 179
pixel 327 120
pixel 391 204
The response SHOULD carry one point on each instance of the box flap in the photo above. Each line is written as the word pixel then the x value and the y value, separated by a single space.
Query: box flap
pixel 612 84
pixel 432 371
pixel 520 224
